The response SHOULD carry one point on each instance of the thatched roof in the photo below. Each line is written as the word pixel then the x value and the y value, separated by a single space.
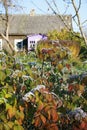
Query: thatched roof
pixel 26 24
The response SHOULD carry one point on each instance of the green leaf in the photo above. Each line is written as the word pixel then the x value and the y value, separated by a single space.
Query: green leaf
pixel 8 95
pixel 2 100
pixel 4 91
pixel 2 76
pixel 8 106
pixel 75 98
pixel 0 67
pixel 6 127
pixel 19 115
pixel 10 124
pixel 8 72
pixel 18 127
pixel 2 83
pixel 3 117
pixel 1 126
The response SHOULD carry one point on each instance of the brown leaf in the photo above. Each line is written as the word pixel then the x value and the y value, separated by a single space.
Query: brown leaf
pixel 43 118
pixel 41 106
pixel 47 107
pixel 20 121
pixel 49 115
pixel 54 115
pixel 52 127
pixel 37 121
pixel 11 112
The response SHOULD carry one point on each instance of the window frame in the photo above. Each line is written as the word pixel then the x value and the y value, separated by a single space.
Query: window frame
pixel 15 43
pixel 0 44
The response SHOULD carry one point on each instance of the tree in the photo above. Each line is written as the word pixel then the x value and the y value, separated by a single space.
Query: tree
pixel 76 18
pixel 7 6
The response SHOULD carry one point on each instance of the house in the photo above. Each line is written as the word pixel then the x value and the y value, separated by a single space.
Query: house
pixel 21 26
pixel 30 42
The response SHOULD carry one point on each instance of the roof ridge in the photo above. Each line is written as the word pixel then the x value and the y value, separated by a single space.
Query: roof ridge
pixel 36 15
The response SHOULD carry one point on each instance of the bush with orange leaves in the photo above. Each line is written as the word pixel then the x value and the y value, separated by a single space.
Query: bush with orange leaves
pixel 46 116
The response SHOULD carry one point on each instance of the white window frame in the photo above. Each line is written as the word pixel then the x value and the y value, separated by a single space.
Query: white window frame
pixel 36 41
pixel 15 43
pixel 0 44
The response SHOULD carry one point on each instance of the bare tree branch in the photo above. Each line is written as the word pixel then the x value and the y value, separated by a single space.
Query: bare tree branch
pixel 75 21
pixel 79 23
pixel 58 13
pixel 6 4
pixel 84 22
pixel 6 18
pixel 77 9
pixel 40 9
pixel 66 9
